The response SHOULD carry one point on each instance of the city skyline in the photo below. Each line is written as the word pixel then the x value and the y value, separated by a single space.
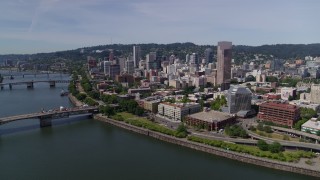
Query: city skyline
pixel 36 26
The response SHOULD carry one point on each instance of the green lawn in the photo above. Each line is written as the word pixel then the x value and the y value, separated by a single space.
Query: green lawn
pixel 145 123
pixel 287 156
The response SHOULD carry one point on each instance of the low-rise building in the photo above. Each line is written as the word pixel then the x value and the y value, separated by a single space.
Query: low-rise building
pixel 139 90
pixel 150 103
pixel 287 92
pixel 279 113
pixel 176 111
pixel 211 120
pixel 311 126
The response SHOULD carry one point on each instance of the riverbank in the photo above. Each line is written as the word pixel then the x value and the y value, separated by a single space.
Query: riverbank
pixel 74 100
pixel 213 150
pixel 284 166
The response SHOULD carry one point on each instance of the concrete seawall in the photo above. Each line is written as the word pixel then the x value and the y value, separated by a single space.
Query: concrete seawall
pixel 213 150
pixel 74 100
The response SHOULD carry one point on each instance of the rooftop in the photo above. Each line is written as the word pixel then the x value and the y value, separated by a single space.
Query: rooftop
pixel 180 105
pixel 211 116
pixel 312 123
pixel 279 105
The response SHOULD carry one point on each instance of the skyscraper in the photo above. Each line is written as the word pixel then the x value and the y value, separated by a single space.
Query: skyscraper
pixel 129 65
pixel 151 60
pixel 194 59
pixel 224 54
pixel 208 53
pixel 136 55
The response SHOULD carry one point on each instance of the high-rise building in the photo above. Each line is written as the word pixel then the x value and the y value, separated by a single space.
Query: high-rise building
pixel 111 55
pixel 151 61
pixel 315 93
pixel 114 70
pixel 208 53
pixel 224 54
pixel 106 68
pixel 187 58
pixel 122 62
pixel 129 66
pixel 136 55
pixel 239 99
pixel 194 58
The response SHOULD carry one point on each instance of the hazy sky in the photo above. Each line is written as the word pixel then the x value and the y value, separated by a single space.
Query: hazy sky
pixel 33 26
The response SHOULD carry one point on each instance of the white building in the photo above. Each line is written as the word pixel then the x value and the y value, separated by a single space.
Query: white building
pixel 176 111
pixel 199 81
pixel 311 126
pixel 286 92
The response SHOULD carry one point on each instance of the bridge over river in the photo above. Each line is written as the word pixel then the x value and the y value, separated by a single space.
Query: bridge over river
pixel 46 117
pixel 52 83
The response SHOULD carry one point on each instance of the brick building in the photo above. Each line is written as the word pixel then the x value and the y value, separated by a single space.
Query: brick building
pixel 279 113
pixel 211 120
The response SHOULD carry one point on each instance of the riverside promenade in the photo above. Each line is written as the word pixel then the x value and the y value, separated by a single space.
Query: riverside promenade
pixel 284 166
pixel 278 165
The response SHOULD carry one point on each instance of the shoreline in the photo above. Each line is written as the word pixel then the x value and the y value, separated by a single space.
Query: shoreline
pixel 245 158
pixel 212 150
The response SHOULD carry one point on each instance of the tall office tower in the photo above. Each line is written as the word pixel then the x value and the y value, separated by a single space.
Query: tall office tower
pixel 151 60
pixel 129 65
pixel 122 62
pixel 194 58
pixel 224 54
pixel 208 53
pixel 136 55
pixel 114 69
pixel 106 68
pixel 187 58
pixel 111 55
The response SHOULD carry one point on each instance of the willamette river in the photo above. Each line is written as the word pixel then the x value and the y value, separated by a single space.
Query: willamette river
pixel 80 148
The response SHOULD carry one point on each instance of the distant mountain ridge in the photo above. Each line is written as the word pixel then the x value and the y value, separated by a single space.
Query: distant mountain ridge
pixel 283 51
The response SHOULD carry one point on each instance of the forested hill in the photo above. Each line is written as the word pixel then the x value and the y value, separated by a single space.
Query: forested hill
pixel 283 51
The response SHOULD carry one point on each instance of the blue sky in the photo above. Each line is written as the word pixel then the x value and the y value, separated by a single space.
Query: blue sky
pixel 34 26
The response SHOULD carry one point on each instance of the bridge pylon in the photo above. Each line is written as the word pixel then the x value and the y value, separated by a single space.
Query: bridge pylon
pixel 45 121
pixel 30 85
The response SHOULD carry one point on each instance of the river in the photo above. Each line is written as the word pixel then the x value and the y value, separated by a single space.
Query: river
pixel 81 148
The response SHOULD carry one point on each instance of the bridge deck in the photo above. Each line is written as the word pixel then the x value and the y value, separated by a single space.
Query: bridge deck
pixel 70 111
pixel 40 81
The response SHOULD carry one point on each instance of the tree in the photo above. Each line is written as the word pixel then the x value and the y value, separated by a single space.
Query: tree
pixel 318 133
pixel 185 99
pixel 235 131
pixel 262 145
pixel 139 111
pixel 181 131
pixel 290 98
pixel 250 78
pixel 271 79
pixel 234 81
pixel 267 129
pixel 109 111
pixel 81 96
pixel 275 147
pixel 170 100
pixel 260 127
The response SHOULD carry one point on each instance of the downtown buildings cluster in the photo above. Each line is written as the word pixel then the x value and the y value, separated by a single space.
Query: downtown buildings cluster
pixel 165 79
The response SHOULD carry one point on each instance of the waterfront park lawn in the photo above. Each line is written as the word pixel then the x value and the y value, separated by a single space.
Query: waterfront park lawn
pixel 276 135
pixel 287 156
pixel 145 123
